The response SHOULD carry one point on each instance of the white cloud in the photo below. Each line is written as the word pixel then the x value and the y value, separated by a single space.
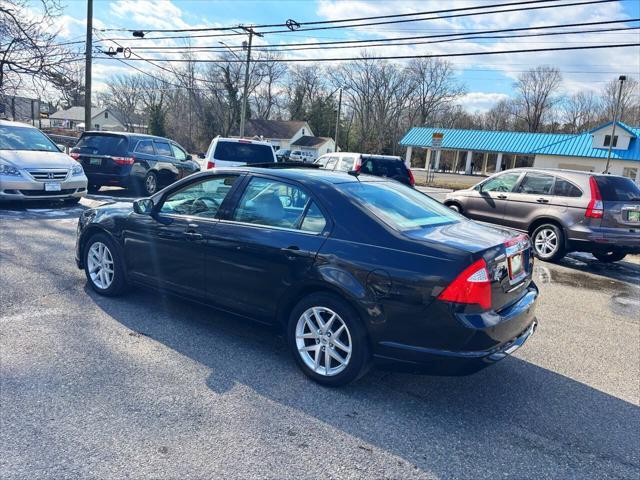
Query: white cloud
pixel 481 101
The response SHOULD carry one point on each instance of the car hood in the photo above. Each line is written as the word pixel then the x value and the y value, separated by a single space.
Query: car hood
pixel 465 235
pixel 33 159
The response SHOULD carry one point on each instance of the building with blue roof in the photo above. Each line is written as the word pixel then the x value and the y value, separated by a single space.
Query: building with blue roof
pixel 487 152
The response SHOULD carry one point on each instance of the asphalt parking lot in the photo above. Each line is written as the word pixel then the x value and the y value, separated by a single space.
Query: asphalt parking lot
pixel 151 386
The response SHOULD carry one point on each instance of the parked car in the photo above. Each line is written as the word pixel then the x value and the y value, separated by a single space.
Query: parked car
pixel 378 165
pixel 283 154
pixel 236 152
pixel 33 167
pixel 131 160
pixel 302 156
pixel 353 268
pixel 562 210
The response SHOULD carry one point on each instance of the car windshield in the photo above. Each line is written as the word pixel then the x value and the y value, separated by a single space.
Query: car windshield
pixel 243 152
pixel 102 144
pixel 618 189
pixel 401 207
pixel 25 138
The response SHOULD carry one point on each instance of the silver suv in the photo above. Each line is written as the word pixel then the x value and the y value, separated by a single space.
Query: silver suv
pixel 562 210
pixel 33 167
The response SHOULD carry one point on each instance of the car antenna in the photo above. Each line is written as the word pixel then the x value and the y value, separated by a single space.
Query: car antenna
pixel 354 173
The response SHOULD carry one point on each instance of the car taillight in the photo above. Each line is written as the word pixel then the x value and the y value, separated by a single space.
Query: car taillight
pixel 595 207
pixel 211 164
pixel 412 181
pixel 75 155
pixel 123 160
pixel 472 286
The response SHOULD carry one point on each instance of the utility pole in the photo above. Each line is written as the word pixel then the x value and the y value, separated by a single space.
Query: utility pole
pixel 615 119
pixel 87 67
pixel 243 111
pixel 338 120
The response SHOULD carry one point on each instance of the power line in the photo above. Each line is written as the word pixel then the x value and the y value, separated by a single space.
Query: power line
pixel 321 22
pixel 421 37
pixel 457 15
pixel 395 57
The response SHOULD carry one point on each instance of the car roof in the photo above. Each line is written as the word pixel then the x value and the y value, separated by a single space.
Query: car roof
pixel 304 174
pixel 128 134
pixel 9 123
pixel 562 171
pixel 244 140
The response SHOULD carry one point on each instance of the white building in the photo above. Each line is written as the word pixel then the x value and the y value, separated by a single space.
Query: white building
pixel 486 152
pixel 101 119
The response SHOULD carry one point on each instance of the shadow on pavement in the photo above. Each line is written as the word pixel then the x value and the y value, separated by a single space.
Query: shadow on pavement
pixel 514 419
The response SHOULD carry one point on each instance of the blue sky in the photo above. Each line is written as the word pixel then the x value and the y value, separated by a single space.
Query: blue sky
pixel 488 78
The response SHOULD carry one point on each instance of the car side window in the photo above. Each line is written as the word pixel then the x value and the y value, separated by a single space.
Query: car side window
pixel 346 164
pixel 145 146
pixel 163 148
pixel 313 220
pixel 501 183
pixel 178 152
pixel 564 188
pixel 272 203
pixel 331 163
pixel 200 199
pixel 536 184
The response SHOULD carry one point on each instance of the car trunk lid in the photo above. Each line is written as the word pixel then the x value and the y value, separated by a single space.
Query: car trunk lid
pixel 101 152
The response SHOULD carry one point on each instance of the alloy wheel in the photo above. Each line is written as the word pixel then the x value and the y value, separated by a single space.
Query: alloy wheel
pixel 150 184
pixel 323 341
pixel 101 267
pixel 546 242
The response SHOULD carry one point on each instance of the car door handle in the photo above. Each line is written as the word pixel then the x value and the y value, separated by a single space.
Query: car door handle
pixel 542 200
pixel 191 233
pixel 502 197
pixel 291 252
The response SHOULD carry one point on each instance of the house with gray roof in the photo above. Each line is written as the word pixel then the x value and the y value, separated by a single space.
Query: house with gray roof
pixel 102 118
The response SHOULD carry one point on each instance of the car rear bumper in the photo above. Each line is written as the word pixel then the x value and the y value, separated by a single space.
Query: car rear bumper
pixel 20 188
pixel 518 322
pixel 606 239
pixel 116 179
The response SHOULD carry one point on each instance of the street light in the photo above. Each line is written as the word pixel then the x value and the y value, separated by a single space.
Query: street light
pixel 615 119
pixel 229 48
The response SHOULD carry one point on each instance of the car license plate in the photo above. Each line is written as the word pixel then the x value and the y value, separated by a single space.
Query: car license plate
pixel 52 187
pixel 95 161
pixel 516 266
pixel 633 216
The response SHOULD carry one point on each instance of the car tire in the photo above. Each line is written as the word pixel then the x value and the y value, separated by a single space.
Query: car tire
pixel 150 183
pixel 103 265
pixel 548 242
pixel 93 188
pixel 455 207
pixel 313 344
pixel 609 257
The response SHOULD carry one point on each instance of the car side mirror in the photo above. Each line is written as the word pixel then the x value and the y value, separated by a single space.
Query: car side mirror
pixel 143 206
pixel 61 147
pixel 201 156
pixel 188 157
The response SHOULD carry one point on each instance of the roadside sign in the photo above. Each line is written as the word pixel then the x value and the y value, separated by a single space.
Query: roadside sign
pixel 436 140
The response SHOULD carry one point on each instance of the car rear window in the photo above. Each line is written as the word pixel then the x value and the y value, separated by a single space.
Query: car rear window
pixel 384 167
pixel 617 189
pixel 399 206
pixel 243 152
pixel 103 145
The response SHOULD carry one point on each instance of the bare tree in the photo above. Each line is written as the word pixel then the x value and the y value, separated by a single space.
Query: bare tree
pixel 124 96
pixel 434 86
pixel 536 91
pixel 629 101
pixel 268 92
pixel 499 117
pixel 28 48
pixel 579 112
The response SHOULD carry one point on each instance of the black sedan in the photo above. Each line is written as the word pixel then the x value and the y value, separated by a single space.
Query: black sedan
pixel 354 268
